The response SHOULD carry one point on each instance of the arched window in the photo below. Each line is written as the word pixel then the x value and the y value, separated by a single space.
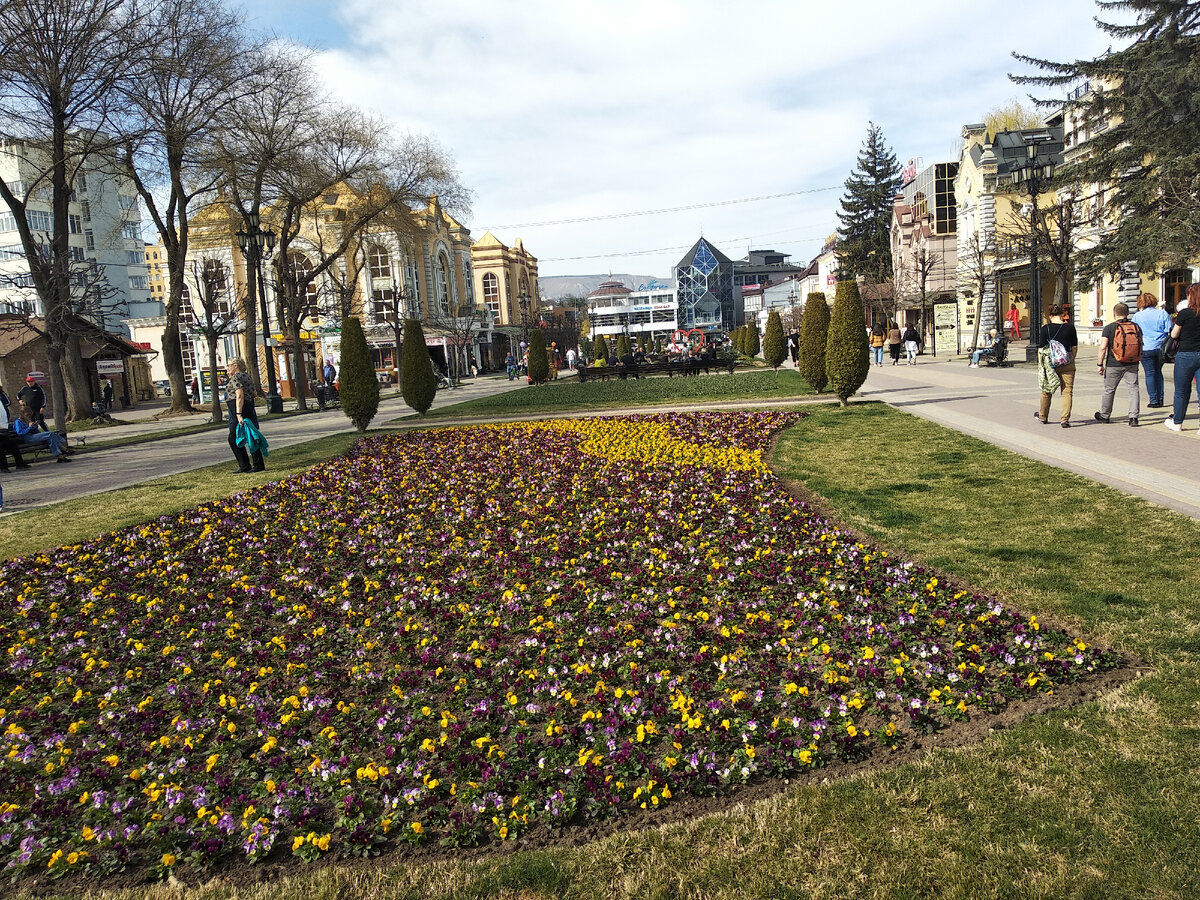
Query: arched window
pixel 491 294
pixel 301 267
pixel 441 286
pixel 379 262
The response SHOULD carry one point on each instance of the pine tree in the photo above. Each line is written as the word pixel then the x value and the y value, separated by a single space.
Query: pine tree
pixel 601 350
pixel 814 334
pixel 358 386
pixel 774 345
pixel 623 349
pixel 1145 166
pixel 866 216
pixel 739 339
pixel 417 382
pixel 539 364
pixel 847 354
pixel 752 345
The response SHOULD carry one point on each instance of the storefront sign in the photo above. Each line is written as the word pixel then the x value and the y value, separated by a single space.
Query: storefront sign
pixel 110 367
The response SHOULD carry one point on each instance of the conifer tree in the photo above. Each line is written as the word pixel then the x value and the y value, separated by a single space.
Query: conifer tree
pixel 357 386
pixel 539 364
pixel 866 217
pixel 752 344
pixel 1145 164
pixel 774 345
pixel 814 334
pixel 847 354
pixel 417 382
pixel 601 350
pixel 739 339
pixel 623 346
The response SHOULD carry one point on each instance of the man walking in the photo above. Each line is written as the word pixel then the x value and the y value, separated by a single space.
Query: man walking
pixel 1120 353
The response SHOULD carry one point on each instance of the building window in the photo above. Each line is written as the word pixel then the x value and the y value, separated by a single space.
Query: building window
pixel 491 294
pixel 85 207
pixel 441 286
pixel 379 262
pixel 39 220
pixel 132 230
pixel 75 223
pixel 89 240
pixel 137 282
pixel 187 349
pixel 301 270
pixel 216 281
pixel 383 305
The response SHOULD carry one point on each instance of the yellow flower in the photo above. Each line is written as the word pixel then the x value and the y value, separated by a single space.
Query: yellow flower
pixel 112 760
pixel 168 859
pixel 322 842
pixel 297 843
pixel 417 828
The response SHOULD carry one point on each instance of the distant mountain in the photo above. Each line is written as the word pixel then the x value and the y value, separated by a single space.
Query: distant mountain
pixel 555 287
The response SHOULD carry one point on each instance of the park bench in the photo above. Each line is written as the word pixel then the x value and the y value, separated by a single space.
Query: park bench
pixel 670 368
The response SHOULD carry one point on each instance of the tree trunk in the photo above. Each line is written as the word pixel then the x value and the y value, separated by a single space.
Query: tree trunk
pixel 250 335
pixel 55 400
pixel 75 382
pixel 299 372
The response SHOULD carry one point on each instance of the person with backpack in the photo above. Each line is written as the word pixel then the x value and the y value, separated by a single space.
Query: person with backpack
pixel 1120 354
pixel 1051 376
pixel 1155 323
pixel 1187 357
pixel 912 344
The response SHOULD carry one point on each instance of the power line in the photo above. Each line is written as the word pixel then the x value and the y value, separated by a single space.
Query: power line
pixel 656 212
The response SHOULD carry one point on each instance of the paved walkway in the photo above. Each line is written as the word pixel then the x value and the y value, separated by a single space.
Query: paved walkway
pixel 995 405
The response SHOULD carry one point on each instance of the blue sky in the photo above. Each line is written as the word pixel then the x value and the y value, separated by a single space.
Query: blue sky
pixel 560 111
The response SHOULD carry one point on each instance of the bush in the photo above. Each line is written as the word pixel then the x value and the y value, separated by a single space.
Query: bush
pixel 358 386
pixel 847 354
pixel 774 344
pixel 752 344
pixel 539 365
pixel 623 348
pixel 417 382
pixel 814 334
pixel 601 350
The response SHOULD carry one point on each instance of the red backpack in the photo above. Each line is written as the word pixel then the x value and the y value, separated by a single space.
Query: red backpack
pixel 1127 342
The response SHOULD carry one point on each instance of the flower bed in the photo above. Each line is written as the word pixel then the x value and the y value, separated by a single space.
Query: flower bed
pixel 462 634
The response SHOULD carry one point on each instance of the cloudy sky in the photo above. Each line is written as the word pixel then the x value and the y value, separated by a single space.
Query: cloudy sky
pixel 572 122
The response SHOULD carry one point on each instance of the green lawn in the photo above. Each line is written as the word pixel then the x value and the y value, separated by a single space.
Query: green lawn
pixel 568 394
pixel 1098 800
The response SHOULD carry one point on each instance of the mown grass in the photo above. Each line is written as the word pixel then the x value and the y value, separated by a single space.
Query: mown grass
pixel 1098 800
pixel 569 394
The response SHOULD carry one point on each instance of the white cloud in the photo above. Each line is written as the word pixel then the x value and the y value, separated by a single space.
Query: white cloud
pixel 563 110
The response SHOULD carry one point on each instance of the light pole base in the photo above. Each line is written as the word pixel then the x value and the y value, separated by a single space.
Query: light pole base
pixel 274 404
pixel 1031 352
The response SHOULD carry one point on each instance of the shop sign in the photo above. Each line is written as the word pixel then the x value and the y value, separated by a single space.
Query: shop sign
pixel 110 367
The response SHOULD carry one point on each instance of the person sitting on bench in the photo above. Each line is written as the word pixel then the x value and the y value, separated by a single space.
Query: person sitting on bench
pixel 27 433
pixel 988 349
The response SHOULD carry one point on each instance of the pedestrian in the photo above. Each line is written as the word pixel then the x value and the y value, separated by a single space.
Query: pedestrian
pixel 912 343
pixel 108 394
pixel 33 398
pixel 571 357
pixel 329 373
pixel 1120 353
pixel 239 393
pixel 1050 377
pixel 794 347
pixel 195 388
pixel 1156 325
pixel 510 365
pixel 29 435
pixel 9 444
pixel 877 342
pixel 895 343
pixel 1187 357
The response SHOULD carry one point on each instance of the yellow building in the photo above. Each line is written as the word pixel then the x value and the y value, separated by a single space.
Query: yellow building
pixel 506 283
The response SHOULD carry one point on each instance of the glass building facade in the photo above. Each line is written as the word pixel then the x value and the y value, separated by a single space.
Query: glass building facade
pixel 704 280
pixel 932 193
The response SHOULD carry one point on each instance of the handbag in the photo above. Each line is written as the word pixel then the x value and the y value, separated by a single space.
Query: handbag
pixel 1169 348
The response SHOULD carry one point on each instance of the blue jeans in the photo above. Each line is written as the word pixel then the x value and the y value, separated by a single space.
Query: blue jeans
pixel 1152 366
pixel 1186 367
pixel 878 352
pixel 50 439
pixel 978 355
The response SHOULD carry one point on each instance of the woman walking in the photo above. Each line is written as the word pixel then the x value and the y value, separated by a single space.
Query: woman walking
pixel 912 343
pixel 239 393
pixel 877 342
pixel 1155 324
pixel 1187 357
pixel 1051 378
pixel 895 343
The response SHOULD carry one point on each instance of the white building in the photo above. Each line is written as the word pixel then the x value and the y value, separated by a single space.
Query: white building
pixel 614 309
pixel 105 227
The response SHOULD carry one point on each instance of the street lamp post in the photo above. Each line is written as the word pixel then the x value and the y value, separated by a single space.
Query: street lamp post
pixel 257 244
pixel 523 300
pixel 1034 175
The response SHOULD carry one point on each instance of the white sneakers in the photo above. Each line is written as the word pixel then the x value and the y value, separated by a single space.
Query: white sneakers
pixel 1171 423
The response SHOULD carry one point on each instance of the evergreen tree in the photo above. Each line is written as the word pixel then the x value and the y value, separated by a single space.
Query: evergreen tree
pixel 866 216
pixel 739 339
pixel 601 350
pixel 417 382
pixel 752 344
pixel 1146 165
pixel 774 345
pixel 814 334
pixel 539 364
pixel 358 386
pixel 847 354
pixel 623 348
pixel 642 342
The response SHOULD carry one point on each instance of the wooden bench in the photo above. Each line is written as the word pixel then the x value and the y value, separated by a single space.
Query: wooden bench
pixel 670 368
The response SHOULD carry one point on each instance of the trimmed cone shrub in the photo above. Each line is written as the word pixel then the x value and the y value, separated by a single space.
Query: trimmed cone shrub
pixel 814 335
pixel 539 365
pixel 418 385
pixel 623 347
pixel 752 345
pixel 602 351
pixel 774 344
pixel 357 385
pixel 847 353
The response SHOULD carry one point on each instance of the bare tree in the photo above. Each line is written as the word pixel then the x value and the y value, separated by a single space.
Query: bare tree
pixel 61 62
pixel 976 273
pixel 199 62
pixel 219 315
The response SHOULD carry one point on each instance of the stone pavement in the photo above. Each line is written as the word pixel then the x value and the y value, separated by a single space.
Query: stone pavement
pixel 996 405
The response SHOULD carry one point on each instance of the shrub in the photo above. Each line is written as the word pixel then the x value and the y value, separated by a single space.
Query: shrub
pixel 539 365
pixel 752 344
pixel 623 348
pixel 847 354
pixel 417 382
pixel 774 345
pixel 814 334
pixel 358 386
pixel 601 350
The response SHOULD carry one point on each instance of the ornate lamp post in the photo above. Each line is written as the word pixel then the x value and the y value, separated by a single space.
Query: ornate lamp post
pixel 1033 176
pixel 257 244
pixel 523 300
